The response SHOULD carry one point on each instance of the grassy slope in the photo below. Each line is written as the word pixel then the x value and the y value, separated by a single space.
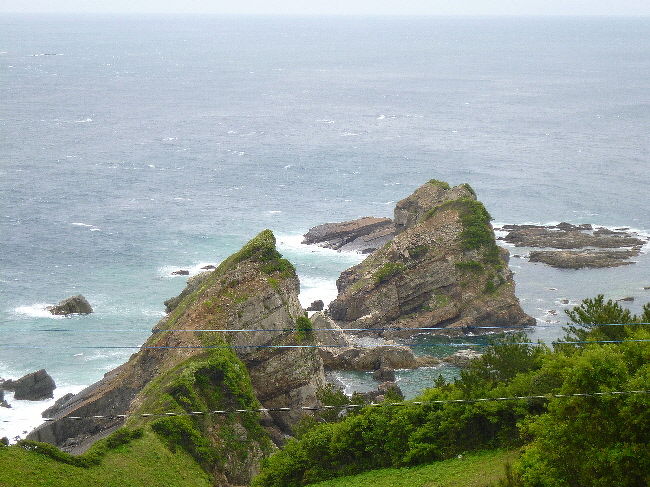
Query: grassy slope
pixel 144 462
pixel 473 470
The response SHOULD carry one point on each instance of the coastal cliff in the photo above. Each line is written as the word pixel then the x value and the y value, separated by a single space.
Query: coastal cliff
pixel 442 269
pixel 174 371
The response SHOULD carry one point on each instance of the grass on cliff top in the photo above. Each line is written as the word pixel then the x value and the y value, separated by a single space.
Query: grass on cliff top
pixel 479 469
pixel 143 462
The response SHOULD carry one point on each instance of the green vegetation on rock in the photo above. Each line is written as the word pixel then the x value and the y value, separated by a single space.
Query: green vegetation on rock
pixel 304 329
pixel 469 265
pixel 388 270
pixel 441 184
pixel 216 380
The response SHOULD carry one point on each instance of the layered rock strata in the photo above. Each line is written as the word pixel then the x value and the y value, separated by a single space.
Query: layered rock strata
pixel 442 269
pixel 362 235
pixel 187 371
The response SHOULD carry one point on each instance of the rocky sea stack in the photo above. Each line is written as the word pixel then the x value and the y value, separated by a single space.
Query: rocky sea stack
pixel 442 269
pixel 31 387
pixel 72 305
pixel 207 371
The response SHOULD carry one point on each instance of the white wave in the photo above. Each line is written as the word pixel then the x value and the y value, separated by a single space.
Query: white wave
pixel 95 229
pixel 274 212
pixel 85 120
pixel 325 120
pixel 194 269
pixel 38 310
pixel 24 416
pixel 381 117
pixel 349 134
pixel 79 224
pixel 293 243
pixel 314 288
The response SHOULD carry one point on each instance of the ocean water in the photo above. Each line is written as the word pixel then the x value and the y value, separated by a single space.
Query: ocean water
pixel 134 146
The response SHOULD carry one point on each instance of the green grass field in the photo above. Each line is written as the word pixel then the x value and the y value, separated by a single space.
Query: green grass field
pixel 143 462
pixel 473 470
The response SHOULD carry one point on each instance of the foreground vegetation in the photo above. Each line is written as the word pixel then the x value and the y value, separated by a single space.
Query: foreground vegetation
pixel 564 442
pixel 473 470
pixel 141 462
pixel 571 441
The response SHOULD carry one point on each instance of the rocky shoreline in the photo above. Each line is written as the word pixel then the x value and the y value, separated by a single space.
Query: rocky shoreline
pixel 568 246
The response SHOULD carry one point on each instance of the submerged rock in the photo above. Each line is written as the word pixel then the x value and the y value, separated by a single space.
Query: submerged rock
pixel 181 272
pixel 566 236
pixel 362 235
pixel 3 402
pixel 384 374
pixel 72 305
pixel 576 246
pixel 579 259
pixel 462 358
pixel 36 386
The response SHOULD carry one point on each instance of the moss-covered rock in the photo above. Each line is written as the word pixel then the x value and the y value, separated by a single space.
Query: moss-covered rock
pixel 183 371
pixel 442 268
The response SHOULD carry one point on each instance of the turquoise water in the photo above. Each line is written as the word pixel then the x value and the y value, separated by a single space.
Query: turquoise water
pixel 135 146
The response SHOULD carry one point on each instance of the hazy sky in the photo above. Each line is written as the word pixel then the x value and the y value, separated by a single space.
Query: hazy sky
pixel 338 7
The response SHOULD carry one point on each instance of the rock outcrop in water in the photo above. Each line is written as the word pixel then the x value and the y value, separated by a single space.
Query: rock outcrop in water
pixel 253 289
pixel 576 246
pixel 36 386
pixel 72 305
pixel 362 235
pixel 442 269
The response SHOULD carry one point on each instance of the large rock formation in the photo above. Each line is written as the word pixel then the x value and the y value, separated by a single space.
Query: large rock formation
pixel 442 269
pixel 253 289
pixel 72 305
pixel 36 386
pixel 362 235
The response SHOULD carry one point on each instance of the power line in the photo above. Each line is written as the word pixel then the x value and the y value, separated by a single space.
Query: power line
pixel 341 407
pixel 257 330
pixel 387 345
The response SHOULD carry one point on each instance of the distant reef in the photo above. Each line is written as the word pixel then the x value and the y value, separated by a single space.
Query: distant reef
pixel 570 246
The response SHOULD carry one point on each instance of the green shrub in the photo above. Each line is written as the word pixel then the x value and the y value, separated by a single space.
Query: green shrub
pixel 387 271
pixel 418 251
pixel 304 329
pixel 469 265
pixel 441 184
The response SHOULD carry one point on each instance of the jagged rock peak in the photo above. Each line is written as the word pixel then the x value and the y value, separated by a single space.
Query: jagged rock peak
pixel 442 269
pixel 255 288
pixel 410 210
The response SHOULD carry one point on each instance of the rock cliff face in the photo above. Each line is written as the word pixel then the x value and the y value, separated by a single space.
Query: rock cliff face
pixel 442 269
pixel 253 289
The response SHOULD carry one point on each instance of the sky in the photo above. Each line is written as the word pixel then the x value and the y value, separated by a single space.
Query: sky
pixel 337 7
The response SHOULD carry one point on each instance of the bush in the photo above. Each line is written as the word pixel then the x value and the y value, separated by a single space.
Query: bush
pixel 387 271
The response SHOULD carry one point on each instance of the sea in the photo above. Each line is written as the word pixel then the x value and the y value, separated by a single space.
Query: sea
pixel 134 146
